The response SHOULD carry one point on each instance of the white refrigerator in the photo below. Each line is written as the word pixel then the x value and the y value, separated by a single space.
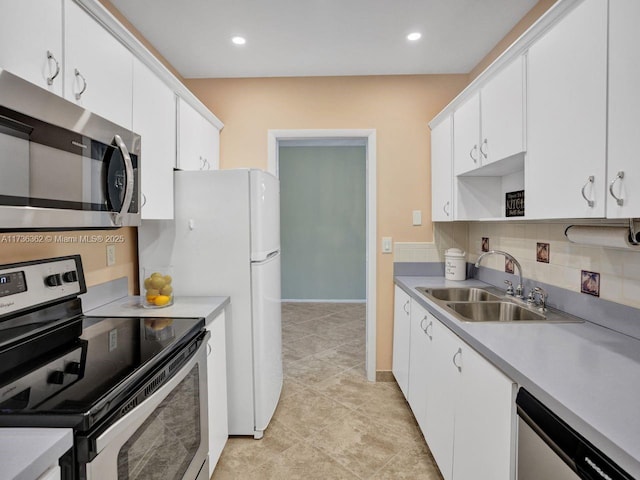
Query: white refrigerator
pixel 225 240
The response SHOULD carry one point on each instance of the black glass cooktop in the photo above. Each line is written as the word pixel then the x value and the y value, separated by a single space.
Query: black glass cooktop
pixel 84 379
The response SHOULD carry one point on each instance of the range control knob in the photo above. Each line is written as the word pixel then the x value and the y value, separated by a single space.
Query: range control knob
pixel 73 368
pixel 53 280
pixel 71 276
pixel 56 377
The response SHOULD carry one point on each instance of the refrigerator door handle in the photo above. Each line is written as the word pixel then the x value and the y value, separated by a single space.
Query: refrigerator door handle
pixel 272 254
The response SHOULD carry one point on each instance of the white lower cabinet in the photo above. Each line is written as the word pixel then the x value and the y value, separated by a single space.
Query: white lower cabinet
pixel 464 406
pixel 217 390
pixel 401 339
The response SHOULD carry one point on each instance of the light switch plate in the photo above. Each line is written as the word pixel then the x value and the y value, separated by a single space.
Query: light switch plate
pixel 387 245
pixel 417 217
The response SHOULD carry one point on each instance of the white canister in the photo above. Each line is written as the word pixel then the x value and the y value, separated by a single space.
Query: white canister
pixel 455 264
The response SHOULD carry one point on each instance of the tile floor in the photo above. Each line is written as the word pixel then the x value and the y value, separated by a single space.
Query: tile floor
pixel 331 423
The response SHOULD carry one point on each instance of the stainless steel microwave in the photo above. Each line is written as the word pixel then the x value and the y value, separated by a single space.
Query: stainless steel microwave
pixel 61 166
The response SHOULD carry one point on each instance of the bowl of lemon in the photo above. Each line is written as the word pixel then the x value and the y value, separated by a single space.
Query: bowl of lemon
pixel 158 289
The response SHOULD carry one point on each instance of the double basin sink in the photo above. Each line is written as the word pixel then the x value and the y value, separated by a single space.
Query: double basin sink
pixel 480 305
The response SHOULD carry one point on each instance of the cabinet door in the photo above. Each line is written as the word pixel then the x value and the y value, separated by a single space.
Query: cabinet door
pixel 466 136
pixel 566 116
pixel 154 119
pixel 484 420
pixel 502 112
pixel 418 351
pixel 401 339
pixel 29 29
pixel 443 387
pixel 441 172
pixel 198 140
pixel 624 105
pixel 217 390
pixel 104 78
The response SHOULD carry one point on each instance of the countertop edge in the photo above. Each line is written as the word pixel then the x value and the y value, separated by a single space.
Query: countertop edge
pixel 616 452
pixel 32 450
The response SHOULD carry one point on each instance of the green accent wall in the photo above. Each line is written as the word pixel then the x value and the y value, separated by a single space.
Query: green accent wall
pixel 323 222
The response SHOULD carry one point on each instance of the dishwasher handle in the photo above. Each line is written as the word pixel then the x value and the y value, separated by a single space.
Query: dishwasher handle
pixel 576 451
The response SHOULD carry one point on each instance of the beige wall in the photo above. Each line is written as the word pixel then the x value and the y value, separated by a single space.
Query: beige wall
pixel 398 107
pixel 23 246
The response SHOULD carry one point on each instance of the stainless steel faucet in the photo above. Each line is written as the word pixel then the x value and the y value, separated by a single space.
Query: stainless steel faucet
pixel 518 292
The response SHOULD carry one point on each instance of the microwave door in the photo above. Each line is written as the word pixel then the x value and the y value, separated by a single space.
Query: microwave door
pixel 14 162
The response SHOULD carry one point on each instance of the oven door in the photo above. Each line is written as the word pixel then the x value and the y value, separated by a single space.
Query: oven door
pixel 166 436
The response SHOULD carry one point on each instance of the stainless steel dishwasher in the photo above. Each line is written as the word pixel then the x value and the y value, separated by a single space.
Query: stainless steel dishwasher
pixel 549 449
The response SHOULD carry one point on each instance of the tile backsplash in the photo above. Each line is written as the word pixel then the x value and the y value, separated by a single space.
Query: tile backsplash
pixel 530 243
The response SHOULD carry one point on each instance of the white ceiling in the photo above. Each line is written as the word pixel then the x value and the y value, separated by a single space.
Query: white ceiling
pixel 322 37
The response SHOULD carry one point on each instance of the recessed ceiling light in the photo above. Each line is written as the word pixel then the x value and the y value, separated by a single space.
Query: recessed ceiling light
pixel 414 36
pixel 239 40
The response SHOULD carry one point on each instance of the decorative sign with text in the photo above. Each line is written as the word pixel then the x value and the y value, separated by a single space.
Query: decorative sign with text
pixel 514 204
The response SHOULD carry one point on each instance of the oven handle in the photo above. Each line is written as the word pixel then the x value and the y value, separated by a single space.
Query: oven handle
pixel 129 423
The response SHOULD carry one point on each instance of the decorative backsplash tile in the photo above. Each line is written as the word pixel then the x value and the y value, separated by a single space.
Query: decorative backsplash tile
pixel 590 283
pixel 542 252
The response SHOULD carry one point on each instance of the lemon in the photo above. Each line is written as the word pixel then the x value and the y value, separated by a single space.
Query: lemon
pixel 166 290
pixel 167 279
pixel 161 300
pixel 157 281
pixel 151 298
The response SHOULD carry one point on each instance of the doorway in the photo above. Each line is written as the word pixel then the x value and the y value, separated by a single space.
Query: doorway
pixel 337 138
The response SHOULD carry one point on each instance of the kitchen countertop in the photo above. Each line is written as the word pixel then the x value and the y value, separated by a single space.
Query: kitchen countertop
pixel 183 307
pixel 26 453
pixel 586 374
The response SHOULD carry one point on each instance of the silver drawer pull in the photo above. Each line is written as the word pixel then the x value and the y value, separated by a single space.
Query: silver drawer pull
pixel 57 72
pixel 590 181
pixel 458 354
pixel 619 176
pixel 474 149
pixel 84 83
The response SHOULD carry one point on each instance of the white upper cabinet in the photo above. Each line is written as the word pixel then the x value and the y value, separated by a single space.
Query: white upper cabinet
pixel 489 125
pixel 198 140
pixel 401 339
pixel 31 41
pixel 98 68
pixel 623 166
pixel 441 172
pixel 502 114
pixel 466 136
pixel 154 119
pixel 566 116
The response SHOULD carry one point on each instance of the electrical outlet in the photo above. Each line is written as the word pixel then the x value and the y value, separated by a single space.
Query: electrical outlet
pixel 111 255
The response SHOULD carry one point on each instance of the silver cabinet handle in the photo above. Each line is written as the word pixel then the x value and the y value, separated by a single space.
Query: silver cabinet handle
pixel 128 192
pixel 144 200
pixel 84 83
pixel 619 176
pixel 590 181
pixel 457 354
pixel 404 307
pixel 424 319
pixel 445 208
pixel 57 72
pixel 484 154
pixel 426 330
pixel 207 164
pixel 475 159
pixel 209 349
